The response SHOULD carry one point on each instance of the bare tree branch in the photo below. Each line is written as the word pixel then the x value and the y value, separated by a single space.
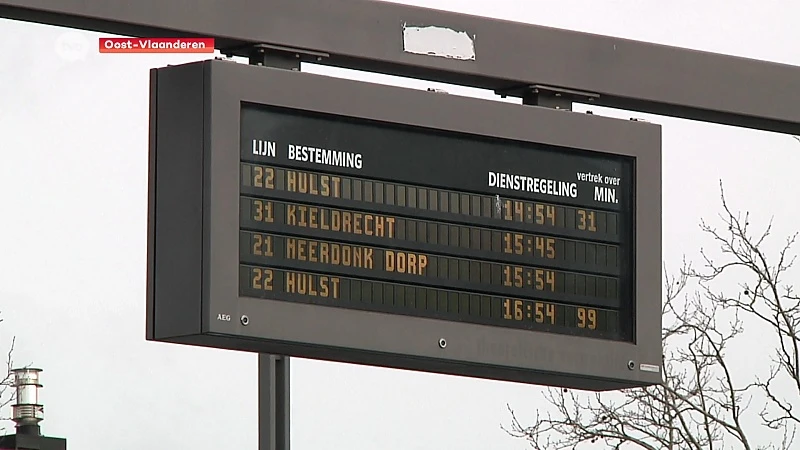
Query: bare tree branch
pixel 702 402
pixel 7 391
pixel 768 299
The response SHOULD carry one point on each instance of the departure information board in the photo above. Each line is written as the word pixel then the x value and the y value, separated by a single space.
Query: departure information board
pixel 356 214
pixel 316 217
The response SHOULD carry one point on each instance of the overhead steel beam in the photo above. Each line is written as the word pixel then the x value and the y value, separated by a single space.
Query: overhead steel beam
pixel 368 35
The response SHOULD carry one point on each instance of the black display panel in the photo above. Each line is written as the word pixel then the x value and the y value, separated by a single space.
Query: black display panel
pixel 363 215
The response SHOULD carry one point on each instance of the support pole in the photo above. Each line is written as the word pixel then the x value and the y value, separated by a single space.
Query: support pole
pixel 273 370
pixel 273 402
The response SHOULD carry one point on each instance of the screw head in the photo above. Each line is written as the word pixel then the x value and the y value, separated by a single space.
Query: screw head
pixel 631 365
pixel 442 343
pixel 245 320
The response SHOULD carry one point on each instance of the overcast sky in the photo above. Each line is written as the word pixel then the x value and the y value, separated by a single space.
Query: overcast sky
pixel 73 190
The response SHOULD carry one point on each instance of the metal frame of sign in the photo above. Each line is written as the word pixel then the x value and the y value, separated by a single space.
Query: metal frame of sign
pixel 193 244
pixel 609 71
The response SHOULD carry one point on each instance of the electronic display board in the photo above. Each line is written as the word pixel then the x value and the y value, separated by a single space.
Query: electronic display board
pixel 351 214
pixel 328 229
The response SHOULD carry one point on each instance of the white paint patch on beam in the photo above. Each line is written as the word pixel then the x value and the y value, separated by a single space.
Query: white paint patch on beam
pixel 436 41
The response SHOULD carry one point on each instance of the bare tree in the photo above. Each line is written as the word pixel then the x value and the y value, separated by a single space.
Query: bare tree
pixel 704 401
pixel 7 391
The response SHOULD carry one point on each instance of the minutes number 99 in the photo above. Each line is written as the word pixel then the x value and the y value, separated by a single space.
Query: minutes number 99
pixel 587 318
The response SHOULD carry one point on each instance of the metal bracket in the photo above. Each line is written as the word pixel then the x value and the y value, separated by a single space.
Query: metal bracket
pixel 548 96
pixel 277 56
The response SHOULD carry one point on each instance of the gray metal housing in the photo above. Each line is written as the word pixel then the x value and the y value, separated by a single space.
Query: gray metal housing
pixel 193 232
pixel 368 35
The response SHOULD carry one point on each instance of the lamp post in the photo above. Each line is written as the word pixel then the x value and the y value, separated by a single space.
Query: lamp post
pixel 27 412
